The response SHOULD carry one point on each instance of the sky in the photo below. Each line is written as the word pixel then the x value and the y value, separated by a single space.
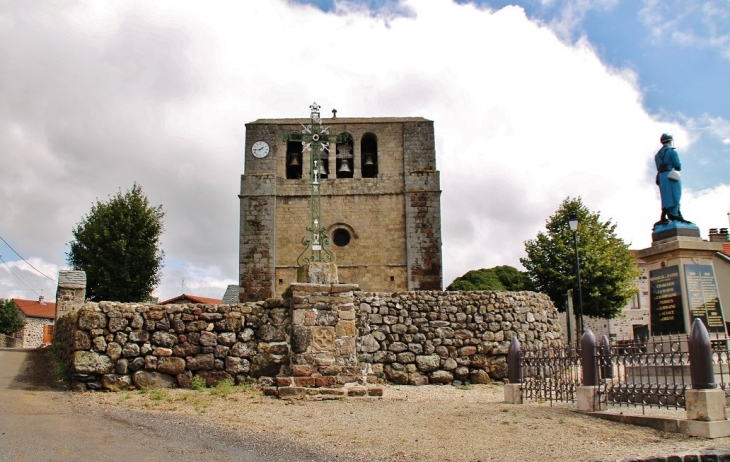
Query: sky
pixel 533 101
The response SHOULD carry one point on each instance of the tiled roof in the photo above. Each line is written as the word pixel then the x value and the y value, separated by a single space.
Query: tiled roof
pixel 185 298
pixel 726 248
pixel 33 309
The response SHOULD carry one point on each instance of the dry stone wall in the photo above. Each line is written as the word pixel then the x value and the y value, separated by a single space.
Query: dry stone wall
pixel 117 346
pixel 411 337
pixel 440 337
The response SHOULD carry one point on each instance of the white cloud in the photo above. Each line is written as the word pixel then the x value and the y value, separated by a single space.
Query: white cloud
pixel 689 23
pixel 104 94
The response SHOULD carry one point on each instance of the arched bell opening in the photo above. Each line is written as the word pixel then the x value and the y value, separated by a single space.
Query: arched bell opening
pixel 293 160
pixel 369 156
pixel 344 154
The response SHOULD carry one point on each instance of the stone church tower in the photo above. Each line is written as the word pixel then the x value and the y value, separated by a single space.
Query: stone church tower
pixel 380 204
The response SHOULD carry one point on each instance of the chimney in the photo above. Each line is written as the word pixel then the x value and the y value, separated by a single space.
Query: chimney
pixel 41 300
pixel 718 235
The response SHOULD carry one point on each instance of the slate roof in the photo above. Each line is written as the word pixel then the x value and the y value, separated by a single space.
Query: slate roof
pixel 33 308
pixel 231 295
pixel 185 298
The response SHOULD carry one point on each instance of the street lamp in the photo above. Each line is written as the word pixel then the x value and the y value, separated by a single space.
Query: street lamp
pixel 573 223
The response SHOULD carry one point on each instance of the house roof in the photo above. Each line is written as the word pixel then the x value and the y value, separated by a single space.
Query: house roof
pixel 726 248
pixel 34 309
pixel 186 298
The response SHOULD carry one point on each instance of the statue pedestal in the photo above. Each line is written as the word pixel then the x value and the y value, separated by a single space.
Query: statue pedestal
pixel 682 280
pixel 674 229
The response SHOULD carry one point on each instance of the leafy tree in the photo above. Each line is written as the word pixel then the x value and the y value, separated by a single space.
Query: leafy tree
pixel 10 320
pixel 607 268
pixel 499 278
pixel 118 245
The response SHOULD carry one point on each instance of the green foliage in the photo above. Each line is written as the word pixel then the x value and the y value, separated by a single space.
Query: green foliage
pixel 499 278
pixel 607 268
pixel 198 383
pixel 117 244
pixel 223 388
pixel 10 320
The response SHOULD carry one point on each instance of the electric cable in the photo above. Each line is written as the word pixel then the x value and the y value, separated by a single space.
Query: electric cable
pixel 19 278
pixel 16 253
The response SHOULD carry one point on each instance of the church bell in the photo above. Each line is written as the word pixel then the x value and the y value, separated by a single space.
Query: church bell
pixel 369 159
pixel 344 167
pixel 294 162
pixel 322 170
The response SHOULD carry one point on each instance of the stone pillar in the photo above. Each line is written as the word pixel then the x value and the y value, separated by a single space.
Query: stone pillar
pixel 513 393
pixel 323 345
pixel 71 292
pixel 706 414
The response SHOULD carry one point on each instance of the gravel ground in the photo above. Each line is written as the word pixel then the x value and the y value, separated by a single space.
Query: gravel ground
pixel 441 423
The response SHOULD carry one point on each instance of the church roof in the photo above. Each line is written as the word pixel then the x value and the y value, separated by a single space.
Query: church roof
pixel 341 120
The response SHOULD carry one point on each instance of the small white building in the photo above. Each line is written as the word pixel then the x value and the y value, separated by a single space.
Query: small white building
pixel 39 317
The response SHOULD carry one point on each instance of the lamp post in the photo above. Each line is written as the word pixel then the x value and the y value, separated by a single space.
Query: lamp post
pixel 573 223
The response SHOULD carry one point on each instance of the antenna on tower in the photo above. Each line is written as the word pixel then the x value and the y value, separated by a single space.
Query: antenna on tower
pixel 183 286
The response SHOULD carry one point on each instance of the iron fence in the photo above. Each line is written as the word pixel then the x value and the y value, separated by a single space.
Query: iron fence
pixel 653 373
pixel 550 374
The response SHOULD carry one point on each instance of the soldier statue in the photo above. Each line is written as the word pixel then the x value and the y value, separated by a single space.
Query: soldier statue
pixel 668 180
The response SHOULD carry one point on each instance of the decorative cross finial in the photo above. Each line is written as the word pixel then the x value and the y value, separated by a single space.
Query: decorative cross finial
pixel 334 113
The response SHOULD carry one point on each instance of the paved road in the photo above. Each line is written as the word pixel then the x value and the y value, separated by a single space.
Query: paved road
pixel 38 423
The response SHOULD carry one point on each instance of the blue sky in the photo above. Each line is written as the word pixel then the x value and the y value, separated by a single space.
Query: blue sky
pixel 532 102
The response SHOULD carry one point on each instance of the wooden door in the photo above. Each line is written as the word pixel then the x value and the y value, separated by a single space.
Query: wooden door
pixel 48 333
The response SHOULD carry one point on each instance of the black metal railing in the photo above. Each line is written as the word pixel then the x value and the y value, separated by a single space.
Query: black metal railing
pixel 644 374
pixel 654 372
pixel 548 374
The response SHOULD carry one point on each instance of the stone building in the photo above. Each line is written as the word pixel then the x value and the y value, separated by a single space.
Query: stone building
pixel 380 204
pixel 39 318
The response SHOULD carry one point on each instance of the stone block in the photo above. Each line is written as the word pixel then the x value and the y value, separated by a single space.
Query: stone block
pixel 323 338
pixel 705 429
pixel 292 392
pixel 707 405
pixel 513 393
pixel 586 398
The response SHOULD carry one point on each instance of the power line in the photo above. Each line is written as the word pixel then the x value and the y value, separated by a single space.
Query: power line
pixel 16 253
pixel 19 278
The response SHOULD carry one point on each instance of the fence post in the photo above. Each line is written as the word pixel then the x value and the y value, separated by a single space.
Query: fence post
pixel 587 393
pixel 705 403
pixel 588 358
pixel 605 358
pixel 700 357
pixel 513 389
pixel 513 361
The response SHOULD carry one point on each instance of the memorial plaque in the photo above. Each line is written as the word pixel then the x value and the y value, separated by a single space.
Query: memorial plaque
pixel 667 315
pixel 703 298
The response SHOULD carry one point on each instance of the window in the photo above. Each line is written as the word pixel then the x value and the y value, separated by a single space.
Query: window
pixel 369 156
pixel 341 237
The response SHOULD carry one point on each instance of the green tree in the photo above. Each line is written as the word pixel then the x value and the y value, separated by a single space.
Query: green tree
pixel 118 245
pixel 499 278
pixel 607 268
pixel 10 320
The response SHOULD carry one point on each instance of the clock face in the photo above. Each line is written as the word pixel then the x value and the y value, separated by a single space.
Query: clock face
pixel 260 149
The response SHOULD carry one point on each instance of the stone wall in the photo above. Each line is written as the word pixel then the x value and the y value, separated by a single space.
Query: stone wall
pixel 117 346
pixel 357 338
pixel 438 337
pixel 10 342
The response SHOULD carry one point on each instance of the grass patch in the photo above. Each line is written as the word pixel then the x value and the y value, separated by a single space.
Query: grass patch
pixel 224 388
pixel 198 383
pixel 158 394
